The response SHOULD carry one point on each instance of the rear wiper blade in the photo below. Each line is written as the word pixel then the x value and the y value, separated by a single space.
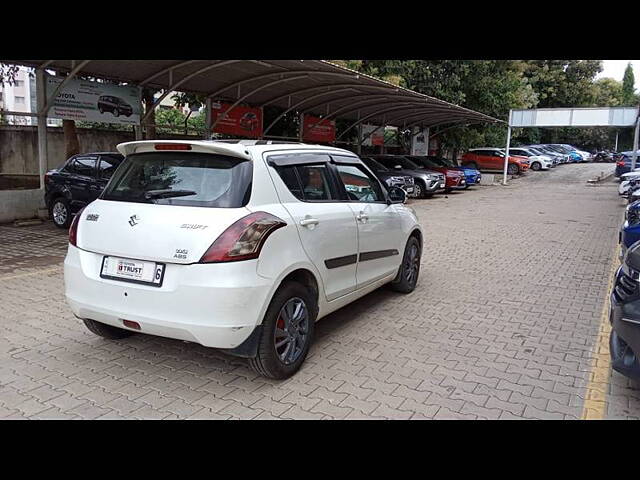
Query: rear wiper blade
pixel 166 193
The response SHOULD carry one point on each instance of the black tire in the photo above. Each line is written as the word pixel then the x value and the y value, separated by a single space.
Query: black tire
pixel 268 362
pixel 535 166
pixel 406 280
pixel 513 169
pixel 100 110
pixel 420 189
pixel 116 113
pixel 107 331
pixel 60 212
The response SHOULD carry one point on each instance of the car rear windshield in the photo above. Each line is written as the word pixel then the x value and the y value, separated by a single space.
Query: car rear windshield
pixel 183 179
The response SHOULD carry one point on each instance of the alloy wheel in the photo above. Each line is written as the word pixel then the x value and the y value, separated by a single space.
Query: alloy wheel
pixel 292 330
pixel 59 213
pixel 412 264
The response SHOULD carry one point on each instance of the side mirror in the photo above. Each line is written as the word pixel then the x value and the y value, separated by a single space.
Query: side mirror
pixel 397 195
pixel 398 167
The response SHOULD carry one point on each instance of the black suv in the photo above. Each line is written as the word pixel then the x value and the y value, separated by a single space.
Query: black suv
pixel 624 314
pixel 115 105
pixel 78 182
pixel 389 178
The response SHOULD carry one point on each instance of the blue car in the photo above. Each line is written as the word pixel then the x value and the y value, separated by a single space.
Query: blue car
pixel 630 230
pixel 623 163
pixel 471 175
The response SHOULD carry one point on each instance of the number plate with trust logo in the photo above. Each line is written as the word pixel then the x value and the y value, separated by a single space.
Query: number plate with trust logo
pixel 135 271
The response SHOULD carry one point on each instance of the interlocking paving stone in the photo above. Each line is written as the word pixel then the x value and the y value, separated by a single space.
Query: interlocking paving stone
pixel 503 324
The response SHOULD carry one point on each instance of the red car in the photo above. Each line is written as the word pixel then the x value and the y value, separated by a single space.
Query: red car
pixel 454 178
pixel 493 159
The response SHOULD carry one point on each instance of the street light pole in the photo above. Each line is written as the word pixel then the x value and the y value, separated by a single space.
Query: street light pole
pixel 506 151
pixel 634 155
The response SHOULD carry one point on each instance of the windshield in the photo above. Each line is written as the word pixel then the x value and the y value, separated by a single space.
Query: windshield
pixel 374 165
pixel 391 162
pixel 425 162
pixel 185 179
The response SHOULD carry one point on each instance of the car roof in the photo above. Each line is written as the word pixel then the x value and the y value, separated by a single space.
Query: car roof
pixel 97 153
pixel 234 148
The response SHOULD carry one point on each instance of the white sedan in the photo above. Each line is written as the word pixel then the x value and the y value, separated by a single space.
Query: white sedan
pixel 238 245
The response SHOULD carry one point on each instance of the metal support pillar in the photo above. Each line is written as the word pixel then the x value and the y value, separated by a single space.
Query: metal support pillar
pixel 359 147
pixel 634 155
pixel 207 122
pixel 301 127
pixel 426 138
pixel 506 151
pixel 41 100
pixel 615 149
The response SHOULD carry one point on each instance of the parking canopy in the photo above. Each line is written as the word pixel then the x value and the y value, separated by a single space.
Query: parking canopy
pixel 316 87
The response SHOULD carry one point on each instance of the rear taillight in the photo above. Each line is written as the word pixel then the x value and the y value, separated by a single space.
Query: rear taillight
pixel 73 229
pixel 620 163
pixel 47 178
pixel 244 239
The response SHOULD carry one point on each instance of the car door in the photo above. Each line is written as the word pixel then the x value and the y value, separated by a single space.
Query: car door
pixel 379 227
pixel 326 224
pixel 482 159
pixel 81 180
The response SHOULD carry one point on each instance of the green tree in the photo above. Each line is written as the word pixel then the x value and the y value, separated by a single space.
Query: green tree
pixel 628 87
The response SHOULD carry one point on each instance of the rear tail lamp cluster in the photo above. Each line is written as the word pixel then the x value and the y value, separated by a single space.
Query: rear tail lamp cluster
pixel 73 229
pixel 244 239
pixel 620 163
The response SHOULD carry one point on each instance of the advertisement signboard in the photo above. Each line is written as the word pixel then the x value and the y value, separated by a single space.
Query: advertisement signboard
pixel 95 101
pixel 315 129
pixel 376 138
pixel 240 121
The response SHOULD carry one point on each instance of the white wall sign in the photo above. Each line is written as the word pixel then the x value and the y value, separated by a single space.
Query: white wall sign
pixel 419 139
pixel 94 101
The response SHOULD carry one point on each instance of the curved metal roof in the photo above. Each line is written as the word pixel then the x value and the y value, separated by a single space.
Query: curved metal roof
pixel 316 87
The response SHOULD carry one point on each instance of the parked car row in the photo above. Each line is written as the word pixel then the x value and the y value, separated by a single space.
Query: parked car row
pixel 522 158
pixel 624 305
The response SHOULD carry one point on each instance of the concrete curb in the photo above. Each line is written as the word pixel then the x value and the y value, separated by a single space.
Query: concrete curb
pixel 600 178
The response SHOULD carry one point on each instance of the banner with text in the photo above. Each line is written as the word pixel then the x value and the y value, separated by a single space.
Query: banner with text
pixel 316 129
pixel 240 121
pixel 94 101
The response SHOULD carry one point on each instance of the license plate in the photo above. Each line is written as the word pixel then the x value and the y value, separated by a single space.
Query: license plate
pixel 409 189
pixel 135 271
pixel 442 185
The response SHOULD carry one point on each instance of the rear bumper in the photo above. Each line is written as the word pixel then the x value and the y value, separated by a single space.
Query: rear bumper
pixel 215 305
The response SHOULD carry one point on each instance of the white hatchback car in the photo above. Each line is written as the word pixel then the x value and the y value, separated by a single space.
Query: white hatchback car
pixel 237 245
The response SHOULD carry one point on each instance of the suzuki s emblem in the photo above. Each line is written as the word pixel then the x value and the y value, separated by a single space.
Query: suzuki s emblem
pixel 133 220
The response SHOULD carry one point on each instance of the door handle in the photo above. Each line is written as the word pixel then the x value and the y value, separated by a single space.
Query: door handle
pixel 309 221
pixel 362 217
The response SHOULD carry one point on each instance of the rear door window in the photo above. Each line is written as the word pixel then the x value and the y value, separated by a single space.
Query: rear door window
pixel 183 179
pixel 82 165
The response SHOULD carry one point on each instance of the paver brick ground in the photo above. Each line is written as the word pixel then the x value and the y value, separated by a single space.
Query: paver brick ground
pixel 503 324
